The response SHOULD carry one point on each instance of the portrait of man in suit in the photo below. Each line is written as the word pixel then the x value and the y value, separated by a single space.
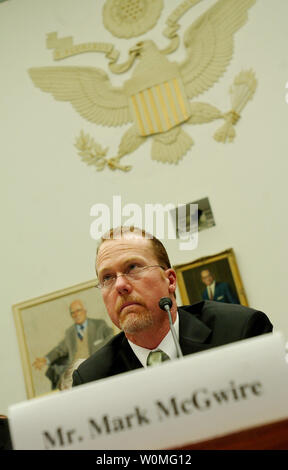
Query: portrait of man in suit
pixel 214 277
pixel 81 340
pixel 218 291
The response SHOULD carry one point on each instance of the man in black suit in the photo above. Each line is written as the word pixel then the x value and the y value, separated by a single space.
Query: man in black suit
pixel 134 272
pixel 219 291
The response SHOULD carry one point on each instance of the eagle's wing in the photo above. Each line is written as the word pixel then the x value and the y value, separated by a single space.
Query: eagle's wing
pixel 209 43
pixel 89 91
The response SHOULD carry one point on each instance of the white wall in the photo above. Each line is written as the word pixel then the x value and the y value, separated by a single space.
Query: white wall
pixel 47 192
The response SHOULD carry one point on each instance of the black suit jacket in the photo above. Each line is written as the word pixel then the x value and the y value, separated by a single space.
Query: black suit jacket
pixel 203 325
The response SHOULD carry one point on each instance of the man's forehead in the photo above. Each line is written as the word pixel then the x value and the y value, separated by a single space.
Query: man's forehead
pixel 128 245
pixel 76 303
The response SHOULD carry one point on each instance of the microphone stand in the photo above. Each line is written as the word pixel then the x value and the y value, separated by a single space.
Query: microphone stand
pixel 165 303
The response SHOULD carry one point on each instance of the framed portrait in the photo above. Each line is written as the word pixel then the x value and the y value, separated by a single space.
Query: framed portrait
pixel 49 339
pixel 214 277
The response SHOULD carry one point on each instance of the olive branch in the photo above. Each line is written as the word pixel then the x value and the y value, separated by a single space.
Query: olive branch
pixel 92 153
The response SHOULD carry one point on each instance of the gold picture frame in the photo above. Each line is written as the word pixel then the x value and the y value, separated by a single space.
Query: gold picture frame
pixel 223 268
pixel 41 324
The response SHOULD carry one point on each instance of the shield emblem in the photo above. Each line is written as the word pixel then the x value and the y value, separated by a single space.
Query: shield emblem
pixel 160 107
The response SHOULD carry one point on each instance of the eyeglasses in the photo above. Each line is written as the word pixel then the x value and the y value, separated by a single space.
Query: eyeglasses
pixel 132 273
pixel 76 311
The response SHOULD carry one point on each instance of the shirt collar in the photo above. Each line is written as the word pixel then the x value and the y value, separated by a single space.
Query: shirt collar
pixel 167 345
pixel 212 286
pixel 82 327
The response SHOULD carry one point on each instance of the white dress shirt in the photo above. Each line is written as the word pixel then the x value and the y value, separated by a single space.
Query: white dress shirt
pixel 212 288
pixel 167 345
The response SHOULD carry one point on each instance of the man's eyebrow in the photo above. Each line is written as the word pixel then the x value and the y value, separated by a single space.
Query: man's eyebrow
pixel 134 259
pixel 131 259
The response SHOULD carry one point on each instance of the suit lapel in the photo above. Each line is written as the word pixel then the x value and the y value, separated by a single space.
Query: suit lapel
pixel 216 291
pixel 127 359
pixel 92 335
pixel 194 334
pixel 194 337
pixel 71 337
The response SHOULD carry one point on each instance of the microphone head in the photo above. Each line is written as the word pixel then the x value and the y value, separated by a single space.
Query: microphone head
pixel 164 301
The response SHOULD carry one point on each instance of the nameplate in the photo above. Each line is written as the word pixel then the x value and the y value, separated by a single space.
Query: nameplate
pixel 198 397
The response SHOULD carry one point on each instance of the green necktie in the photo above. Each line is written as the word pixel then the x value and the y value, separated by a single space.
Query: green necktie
pixel 156 357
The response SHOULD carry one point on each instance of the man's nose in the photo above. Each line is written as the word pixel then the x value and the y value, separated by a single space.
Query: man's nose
pixel 122 285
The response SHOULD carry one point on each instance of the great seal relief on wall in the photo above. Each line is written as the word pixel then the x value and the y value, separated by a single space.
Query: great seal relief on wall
pixel 158 99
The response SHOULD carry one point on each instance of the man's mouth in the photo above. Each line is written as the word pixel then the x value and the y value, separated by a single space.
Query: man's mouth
pixel 127 304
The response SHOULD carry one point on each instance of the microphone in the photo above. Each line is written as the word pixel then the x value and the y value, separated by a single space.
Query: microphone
pixel 165 303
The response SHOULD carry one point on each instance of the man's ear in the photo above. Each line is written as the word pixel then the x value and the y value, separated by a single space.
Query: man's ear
pixel 172 280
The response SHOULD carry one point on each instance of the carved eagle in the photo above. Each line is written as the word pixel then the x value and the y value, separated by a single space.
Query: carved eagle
pixel 157 98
